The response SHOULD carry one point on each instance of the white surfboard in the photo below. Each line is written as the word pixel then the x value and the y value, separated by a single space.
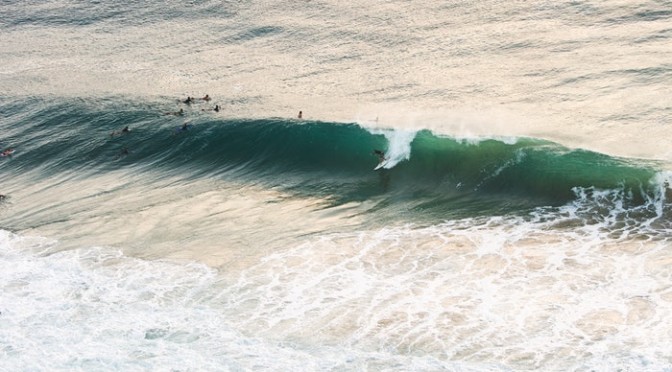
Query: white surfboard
pixel 381 164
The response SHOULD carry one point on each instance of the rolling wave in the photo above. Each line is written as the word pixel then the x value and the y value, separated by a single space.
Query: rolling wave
pixel 426 172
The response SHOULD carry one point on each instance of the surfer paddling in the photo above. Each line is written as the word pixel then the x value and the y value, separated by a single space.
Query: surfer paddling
pixel 123 152
pixel 176 113
pixel 216 109
pixel 7 152
pixel 126 130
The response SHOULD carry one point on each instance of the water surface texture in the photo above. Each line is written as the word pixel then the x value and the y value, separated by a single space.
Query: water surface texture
pixel 522 219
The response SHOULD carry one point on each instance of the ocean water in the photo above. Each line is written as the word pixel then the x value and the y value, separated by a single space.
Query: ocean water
pixel 523 220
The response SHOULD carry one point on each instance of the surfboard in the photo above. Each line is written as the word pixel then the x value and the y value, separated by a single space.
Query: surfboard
pixel 381 164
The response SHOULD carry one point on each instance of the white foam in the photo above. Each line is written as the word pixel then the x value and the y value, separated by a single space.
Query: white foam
pixel 524 294
pixel 480 293
pixel 613 210
pixel 399 145
pixel 476 140
pixel 96 309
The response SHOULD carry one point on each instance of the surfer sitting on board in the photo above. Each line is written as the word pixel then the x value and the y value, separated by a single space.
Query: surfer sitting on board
pixel 206 98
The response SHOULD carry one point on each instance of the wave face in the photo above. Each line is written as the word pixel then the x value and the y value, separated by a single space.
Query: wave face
pixel 432 176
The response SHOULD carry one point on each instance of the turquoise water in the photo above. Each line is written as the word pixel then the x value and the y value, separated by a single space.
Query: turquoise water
pixel 522 220
pixel 430 177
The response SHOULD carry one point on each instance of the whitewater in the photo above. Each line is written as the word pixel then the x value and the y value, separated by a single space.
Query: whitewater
pixel 522 222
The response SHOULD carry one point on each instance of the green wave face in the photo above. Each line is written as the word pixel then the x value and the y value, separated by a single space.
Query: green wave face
pixel 427 173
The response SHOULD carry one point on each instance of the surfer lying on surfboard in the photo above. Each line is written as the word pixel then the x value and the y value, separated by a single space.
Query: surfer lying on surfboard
pixel 183 128
pixel 126 130
pixel 176 113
